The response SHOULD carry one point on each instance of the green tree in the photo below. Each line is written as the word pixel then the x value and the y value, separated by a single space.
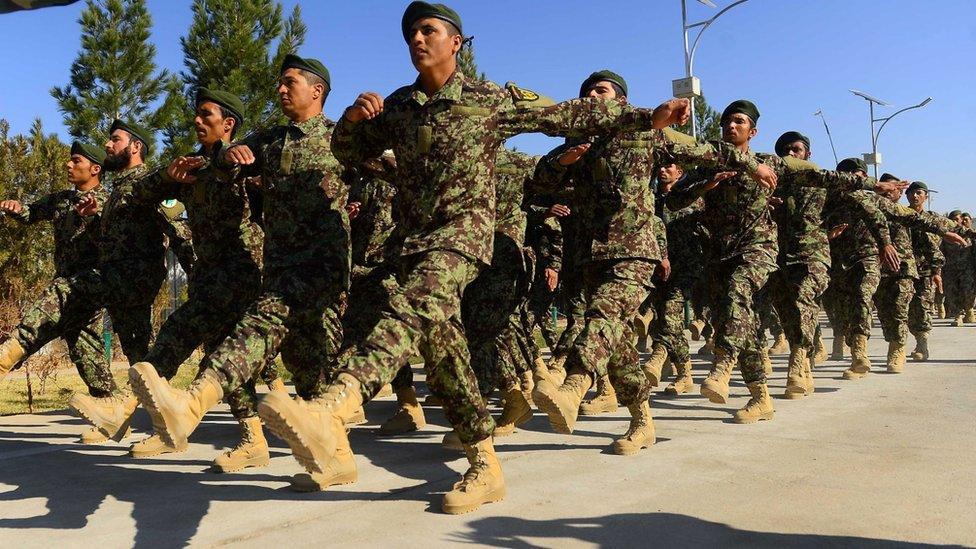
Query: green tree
pixel 467 64
pixel 708 121
pixel 114 74
pixel 31 166
pixel 229 46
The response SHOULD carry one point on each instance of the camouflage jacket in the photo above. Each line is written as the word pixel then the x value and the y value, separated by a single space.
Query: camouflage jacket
pixel 304 197
pixel 218 213
pixel 957 258
pixel 75 236
pixel 928 252
pixel 132 229
pixel 372 227
pixel 545 236
pixel 513 171
pixel 446 147
pixel 686 235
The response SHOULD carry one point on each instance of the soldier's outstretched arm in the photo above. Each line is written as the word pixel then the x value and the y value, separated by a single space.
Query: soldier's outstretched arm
pixel 360 134
pixel 716 156
pixel 687 191
pixel 42 209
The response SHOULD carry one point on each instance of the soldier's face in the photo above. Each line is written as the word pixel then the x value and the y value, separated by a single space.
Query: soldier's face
pixel 798 149
pixel 432 44
pixel 668 174
pixel 296 94
pixel 917 197
pixel 81 170
pixel 967 221
pixel 120 149
pixel 738 129
pixel 602 90
pixel 210 124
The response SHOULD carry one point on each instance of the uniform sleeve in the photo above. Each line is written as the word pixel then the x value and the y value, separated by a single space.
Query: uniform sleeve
pixel 661 234
pixel 576 118
pixel 714 155
pixel 868 208
pixel 549 174
pixel 37 211
pixel 355 143
pixel 925 221
pixel 685 193
pixel 801 173
pixel 155 187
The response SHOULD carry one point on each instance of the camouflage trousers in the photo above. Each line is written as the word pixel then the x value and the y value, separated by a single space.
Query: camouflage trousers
pixel 795 291
pixel 855 287
pixel 958 284
pixel 218 298
pixel 732 291
pixel 486 308
pixel 296 314
pixel 920 308
pixel 423 316
pixel 613 290
pixel 892 299
pixel 669 318
pixel 537 309
pixel 575 304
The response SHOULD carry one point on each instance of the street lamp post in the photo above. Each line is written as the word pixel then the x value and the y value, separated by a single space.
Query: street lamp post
pixel 690 87
pixel 873 157
pixel 827 129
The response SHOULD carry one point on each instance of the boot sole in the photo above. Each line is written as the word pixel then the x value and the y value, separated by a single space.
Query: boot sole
pixel 143 455
pixel 794 395
pixel 301 484
pixel 713 396
pixel 493 497
pixel 140 381
pixel 259 461
pixel 584 411
pixel 763 417
pixel 117 435
pixel 556 420
pixel 280 426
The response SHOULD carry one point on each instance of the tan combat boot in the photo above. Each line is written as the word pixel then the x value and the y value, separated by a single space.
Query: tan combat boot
pixel 175 413
pixel 780 346
pixel 10 354
pixel 562 403
pixel 716 386
pixel 683 381
pixel 313 428
pixel 708 349
pixel 860 363
pixel 796 380
pixel 557 370
pixel 356 417
pixel 820 350
pixel 640 434
pixel 896 357
pixel 251 452
pixel 921 351
pixel 655 364
pixel 111 415
pixel 958 321
pixel 604 402
pixel 432 400
pixel 409 415
pixel 696 327
pixel 526 384
pixel 94 436
pixel 482 482
pixel 970 316
pixel 539 370
pixel 154 446
pixel 515 412
pixel 385 391
pixel 277 385
pixel 452 441
pixel 340 470
pixel 941 310
pixel 767 364
pixel 837 351
pixel 759 407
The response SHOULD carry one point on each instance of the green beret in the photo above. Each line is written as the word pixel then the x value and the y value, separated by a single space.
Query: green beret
pixel 916 185
pixel 787 139
pixel 851 165
pixel 227 101
pixel 422 10
pixel 89 151
pixel 313 66
pixel 743 106
pixel 965 214
pixel 887 177
pixel 603 76
pixel 954 213
pixel 135 130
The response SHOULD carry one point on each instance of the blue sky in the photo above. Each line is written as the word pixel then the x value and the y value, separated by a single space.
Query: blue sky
pixel 791 57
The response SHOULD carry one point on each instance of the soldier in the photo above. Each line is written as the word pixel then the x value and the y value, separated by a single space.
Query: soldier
pixel 75 251
pixel 969 296
pixel 306 262
pixel 929 258
pixel 544 236
pixel 957 274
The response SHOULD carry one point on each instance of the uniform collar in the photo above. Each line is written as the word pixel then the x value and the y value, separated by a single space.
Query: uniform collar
pixel 309 126
pixel 450 91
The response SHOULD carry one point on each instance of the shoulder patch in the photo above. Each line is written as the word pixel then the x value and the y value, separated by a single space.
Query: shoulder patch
pixel 172 209
pixel 678 137
pixel 527 98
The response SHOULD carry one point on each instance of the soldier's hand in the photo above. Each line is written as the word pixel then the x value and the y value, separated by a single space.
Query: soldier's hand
pixel 889 258
pixel 573 154
pixel 352 209
pixel 87 206
pixel 675 112
pixel 718 178
pixel 180 170
pixel 558 210
pixel 836 231
pixel 937 282
pixel 552 279
pixel 366 107
pixel 11 206
pixel 890 186
pixel 239 154
pixel 664 269
pixel 765 176
pixel 954 238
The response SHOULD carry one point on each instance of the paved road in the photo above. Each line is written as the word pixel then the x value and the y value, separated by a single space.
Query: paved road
pixel 882 461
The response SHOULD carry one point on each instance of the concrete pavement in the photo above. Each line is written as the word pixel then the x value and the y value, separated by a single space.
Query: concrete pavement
pixel 883 461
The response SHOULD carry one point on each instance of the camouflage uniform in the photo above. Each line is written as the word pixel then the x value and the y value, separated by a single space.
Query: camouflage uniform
pixel 75 250
pixel 227 274
pixel 446 147
pixel 545 238
pixel 928 255
pixel 306 261
pixel 957 276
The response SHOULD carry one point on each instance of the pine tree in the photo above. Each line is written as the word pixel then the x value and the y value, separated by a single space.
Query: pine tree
pixel 114 74
pixel 229 46
pixel 707 119
pixel 467 64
